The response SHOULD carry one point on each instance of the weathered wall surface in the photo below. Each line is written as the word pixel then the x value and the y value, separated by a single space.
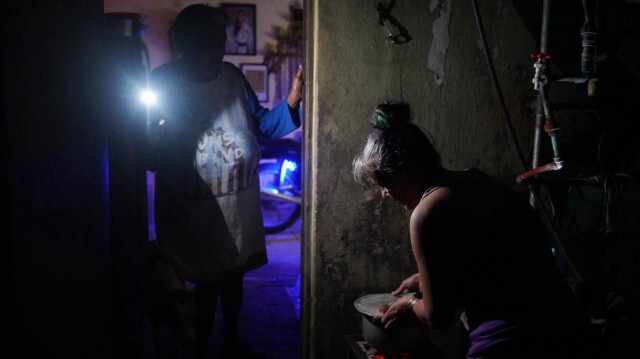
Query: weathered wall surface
pixel 360 243
pixel 355 243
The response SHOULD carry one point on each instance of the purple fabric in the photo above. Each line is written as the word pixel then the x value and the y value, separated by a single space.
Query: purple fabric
pixel 489 334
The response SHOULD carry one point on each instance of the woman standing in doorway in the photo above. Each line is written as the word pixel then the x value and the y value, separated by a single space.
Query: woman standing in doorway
pixel 202 146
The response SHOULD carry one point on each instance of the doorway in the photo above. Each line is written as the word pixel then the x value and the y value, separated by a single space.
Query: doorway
pixel 271 304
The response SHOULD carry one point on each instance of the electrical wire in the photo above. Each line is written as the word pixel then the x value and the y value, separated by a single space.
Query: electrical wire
pixel 496 86
pixel 618 277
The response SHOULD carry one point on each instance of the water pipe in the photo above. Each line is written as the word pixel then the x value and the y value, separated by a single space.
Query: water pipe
pixel 588 42
pixel 550 127
pixel 543 109
pixel 552 166
pixel 539 67
pixel 588 55
pixel 535 198
pixel 543 112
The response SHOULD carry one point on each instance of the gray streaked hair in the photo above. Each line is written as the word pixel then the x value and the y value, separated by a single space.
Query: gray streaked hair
pixel 396 148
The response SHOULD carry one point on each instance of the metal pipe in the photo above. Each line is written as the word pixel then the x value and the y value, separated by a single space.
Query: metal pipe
pixel 539 66
pixel 279 196
pixel 550 125
pixel 552 166
pixel 538 76
pixel 543 111
pixel 539 82
pixel 575 80
pixel 537 140
pixel 588 41
pixel 544 36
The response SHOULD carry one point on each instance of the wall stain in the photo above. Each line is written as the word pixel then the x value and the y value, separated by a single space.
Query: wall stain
pixel 440 31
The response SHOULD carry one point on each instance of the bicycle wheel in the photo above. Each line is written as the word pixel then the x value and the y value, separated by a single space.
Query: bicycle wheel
pixel 277 214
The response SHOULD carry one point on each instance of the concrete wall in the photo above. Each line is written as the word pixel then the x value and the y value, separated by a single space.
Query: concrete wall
pixel 57 263
pixel 358 243
pixel 355 243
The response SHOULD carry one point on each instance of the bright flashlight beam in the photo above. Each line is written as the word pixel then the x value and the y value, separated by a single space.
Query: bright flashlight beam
pixel 148 97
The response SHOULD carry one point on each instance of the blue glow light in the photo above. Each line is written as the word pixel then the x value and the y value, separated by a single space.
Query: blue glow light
pixel 287 166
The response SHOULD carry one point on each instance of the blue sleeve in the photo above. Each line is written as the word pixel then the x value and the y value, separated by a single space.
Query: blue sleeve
pixel 275 123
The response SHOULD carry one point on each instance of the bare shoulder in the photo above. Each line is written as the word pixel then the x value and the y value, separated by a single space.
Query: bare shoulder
pixel 428 205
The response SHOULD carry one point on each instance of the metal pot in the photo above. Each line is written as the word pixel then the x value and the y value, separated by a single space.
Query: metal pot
pixel 407 335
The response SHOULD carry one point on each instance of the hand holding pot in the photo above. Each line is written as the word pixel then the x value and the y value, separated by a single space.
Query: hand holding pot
pixel 390 313
pixel 407 334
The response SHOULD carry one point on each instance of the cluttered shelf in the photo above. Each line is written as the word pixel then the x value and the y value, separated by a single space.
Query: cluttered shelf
pixel 290 40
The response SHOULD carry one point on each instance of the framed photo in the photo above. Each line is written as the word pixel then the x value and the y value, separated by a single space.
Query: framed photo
pixel 241 29
pixel 258 77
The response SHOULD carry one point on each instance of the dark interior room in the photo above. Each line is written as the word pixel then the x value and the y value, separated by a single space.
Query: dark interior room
pixel 557 124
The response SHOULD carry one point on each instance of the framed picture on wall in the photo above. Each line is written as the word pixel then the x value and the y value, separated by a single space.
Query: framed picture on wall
pixel 258 77
pixel 241 29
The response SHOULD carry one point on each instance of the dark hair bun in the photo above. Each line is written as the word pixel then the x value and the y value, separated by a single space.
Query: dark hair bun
pixel 391 115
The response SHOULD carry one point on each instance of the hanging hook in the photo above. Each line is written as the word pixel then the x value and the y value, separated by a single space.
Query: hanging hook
pixel 384 15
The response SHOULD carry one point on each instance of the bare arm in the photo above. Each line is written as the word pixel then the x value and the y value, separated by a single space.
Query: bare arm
pixel 423 308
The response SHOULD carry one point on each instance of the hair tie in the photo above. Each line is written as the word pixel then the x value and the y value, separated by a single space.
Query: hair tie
pixel 382 122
